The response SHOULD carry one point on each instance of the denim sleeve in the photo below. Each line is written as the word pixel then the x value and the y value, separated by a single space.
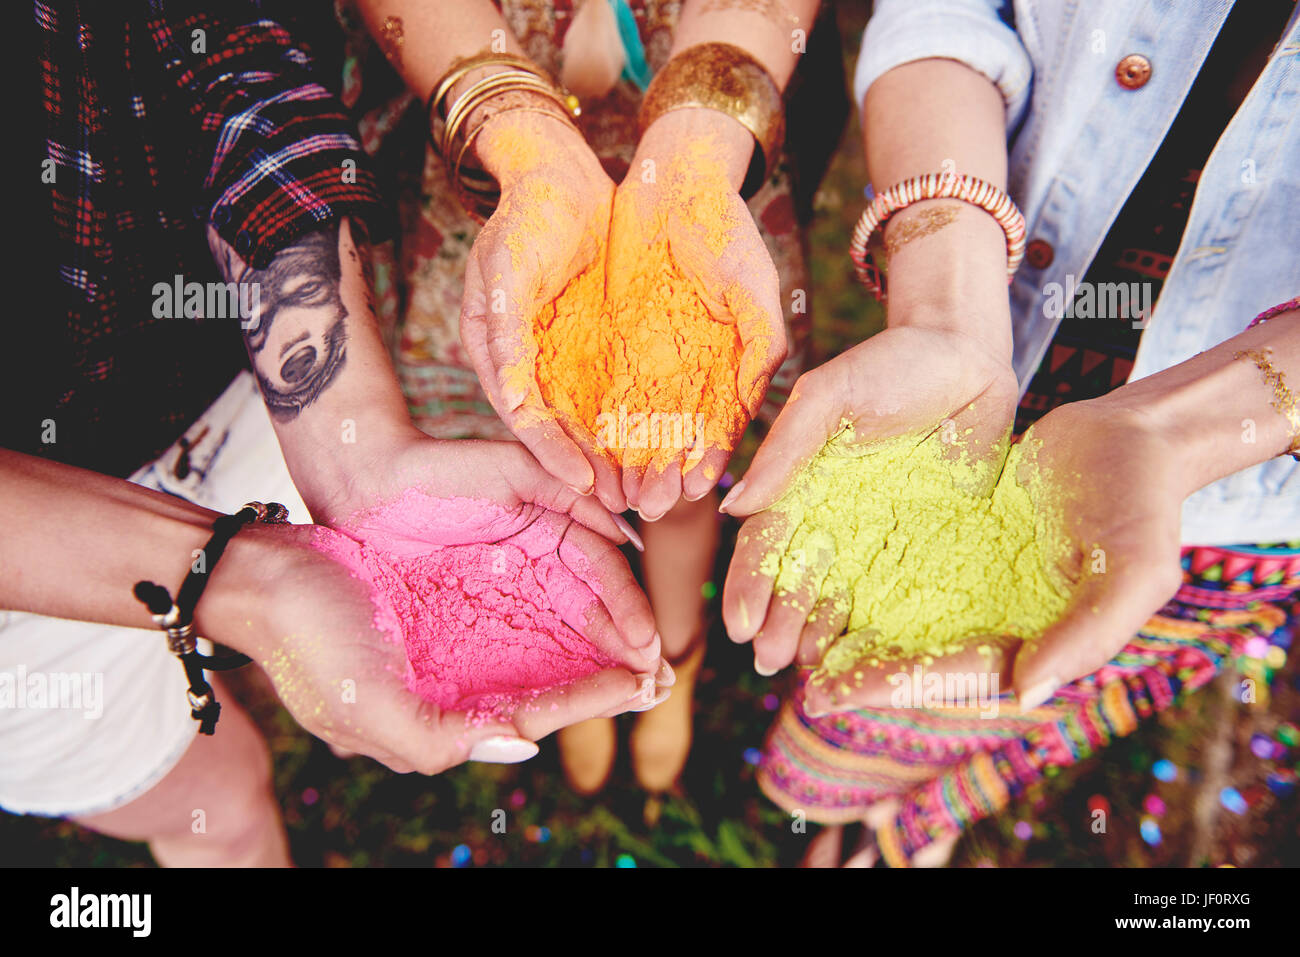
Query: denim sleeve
pixel 973 32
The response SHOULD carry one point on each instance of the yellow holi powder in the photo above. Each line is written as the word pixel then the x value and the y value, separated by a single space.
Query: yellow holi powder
pixel 913 554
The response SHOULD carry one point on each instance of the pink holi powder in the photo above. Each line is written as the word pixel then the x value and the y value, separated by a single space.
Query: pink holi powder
pixel 486 627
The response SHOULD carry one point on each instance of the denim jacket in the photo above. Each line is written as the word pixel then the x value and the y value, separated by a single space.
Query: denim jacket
pixel 1079 141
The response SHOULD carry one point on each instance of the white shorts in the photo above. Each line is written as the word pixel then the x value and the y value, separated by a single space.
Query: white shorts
pixel 95 715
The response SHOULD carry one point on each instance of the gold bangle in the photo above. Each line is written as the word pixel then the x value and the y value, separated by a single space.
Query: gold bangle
pixel 488 199
pixel 489 113
pixel 722 77
pixel 460 67
pixel 516 65
pixel 482 91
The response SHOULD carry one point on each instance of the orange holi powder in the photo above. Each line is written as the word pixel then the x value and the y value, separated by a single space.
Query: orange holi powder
pixel 649 373
pixel 629 350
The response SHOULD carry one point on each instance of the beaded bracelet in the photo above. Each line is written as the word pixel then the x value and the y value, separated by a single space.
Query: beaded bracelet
pixel 968 189
pixel 176 616
pixel 1277 310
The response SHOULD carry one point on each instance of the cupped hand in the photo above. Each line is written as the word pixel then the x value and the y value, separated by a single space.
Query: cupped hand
pixel 903 380
pixel 551 224
pixel 343 680
pixel 1112 474
pixel 681 190
pixel 478 492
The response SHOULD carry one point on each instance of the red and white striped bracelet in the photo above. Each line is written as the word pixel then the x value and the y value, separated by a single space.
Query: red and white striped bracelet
pixel 968 189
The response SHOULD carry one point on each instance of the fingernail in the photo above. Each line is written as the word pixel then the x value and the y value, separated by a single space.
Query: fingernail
pixel 1039 693
pixel 666 677
pixel 503 749
pixel 743 611
pixel 659 699
pixel 582 491
pixel 626 528
pixel 763 671
pixel 731 496
pixel 645 688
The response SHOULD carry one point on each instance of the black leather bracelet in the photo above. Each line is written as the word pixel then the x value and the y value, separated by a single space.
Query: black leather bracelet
pixel 176 618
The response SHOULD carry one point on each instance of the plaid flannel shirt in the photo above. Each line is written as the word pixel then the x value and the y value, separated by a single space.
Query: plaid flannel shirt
pixel 160 118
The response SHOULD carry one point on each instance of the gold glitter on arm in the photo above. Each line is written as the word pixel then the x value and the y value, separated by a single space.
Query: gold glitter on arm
pixel 773 10
pixel 1283 399
pixel 391 37
pixel 926 222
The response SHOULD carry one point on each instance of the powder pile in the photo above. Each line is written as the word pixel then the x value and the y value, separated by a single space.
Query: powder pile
pixel 629 348
pixel 483 625
pixel 924 552
pixel 650 373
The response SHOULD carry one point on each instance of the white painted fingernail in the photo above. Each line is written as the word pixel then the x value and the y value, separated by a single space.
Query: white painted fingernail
pixel 647 692
pixel 503 749
pixel 731 496
pixel 763 671
pixel 659 699
pixel 666 677
pixel 626 528
pixel 1039 693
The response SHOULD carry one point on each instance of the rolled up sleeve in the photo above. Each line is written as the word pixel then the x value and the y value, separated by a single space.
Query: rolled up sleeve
pixel 971 32
pixel 276 152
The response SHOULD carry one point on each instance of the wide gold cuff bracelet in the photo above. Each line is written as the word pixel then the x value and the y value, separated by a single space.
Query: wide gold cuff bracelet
pixel 722 77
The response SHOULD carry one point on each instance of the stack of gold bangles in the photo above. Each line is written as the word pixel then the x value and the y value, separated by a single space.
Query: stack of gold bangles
pixel 453 137
pixel 713 76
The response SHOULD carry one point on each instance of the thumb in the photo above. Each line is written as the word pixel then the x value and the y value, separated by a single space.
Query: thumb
pixel 1107 611
pixel 761 327
pixel 805 424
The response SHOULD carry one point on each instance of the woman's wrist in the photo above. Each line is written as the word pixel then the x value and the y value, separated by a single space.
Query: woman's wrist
pixel 952 277
pixel 1216 411
pixel 257 569
pixel 516 142
pixel 692 135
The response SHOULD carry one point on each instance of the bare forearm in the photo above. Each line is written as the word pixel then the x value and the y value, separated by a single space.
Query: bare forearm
pixel 1227 408
pixel 422 40
pixel 773 32
pixel 937 116
pixel 76 542
pixel 319 359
